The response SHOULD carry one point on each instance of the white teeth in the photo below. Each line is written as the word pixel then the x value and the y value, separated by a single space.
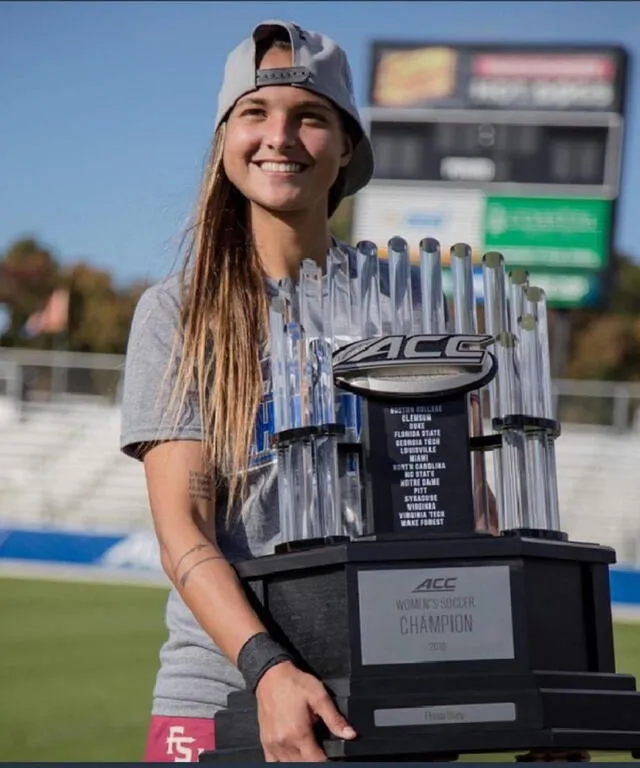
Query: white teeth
pixel 281 167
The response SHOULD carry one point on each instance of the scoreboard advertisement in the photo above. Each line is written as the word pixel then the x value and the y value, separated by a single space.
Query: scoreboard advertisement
pixel 515 149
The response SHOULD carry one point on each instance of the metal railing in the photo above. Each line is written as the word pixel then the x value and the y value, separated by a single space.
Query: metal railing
pixel 37 375
pixel 56 391
pixel 33 375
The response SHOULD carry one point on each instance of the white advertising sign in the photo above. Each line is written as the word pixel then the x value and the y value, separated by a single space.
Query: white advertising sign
pixel 382 211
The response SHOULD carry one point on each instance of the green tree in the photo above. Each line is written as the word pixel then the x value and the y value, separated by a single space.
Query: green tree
pixel 28 275
pixel 605 343
pixel 99 313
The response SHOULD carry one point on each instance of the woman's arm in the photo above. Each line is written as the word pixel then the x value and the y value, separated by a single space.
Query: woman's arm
pixel 181 496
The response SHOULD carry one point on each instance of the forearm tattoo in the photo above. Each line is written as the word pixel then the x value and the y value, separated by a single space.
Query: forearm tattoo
pixel 200 486
pixel 200 489
pixel 189 571
pixel 197 548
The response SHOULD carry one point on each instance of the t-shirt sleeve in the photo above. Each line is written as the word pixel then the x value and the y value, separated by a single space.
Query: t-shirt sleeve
pixel 148 413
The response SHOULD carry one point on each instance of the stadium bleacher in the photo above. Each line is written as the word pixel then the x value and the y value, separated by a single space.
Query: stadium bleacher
pixel 60 466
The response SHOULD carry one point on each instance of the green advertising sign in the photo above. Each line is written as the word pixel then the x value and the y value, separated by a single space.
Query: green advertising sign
pixel 568 289
pixel 559 233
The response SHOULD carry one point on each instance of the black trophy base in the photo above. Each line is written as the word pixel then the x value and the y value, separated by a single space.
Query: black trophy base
pixel 437 648
pixel 583 720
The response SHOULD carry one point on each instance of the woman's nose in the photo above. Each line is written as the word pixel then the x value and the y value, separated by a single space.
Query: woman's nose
pixel 280 133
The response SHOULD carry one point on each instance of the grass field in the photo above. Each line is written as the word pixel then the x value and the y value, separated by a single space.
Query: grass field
pixel 77 664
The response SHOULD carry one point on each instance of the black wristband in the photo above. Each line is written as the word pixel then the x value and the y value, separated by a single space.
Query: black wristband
pixel 257 655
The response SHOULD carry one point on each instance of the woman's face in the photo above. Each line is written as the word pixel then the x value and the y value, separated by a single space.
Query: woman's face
pixel 284 146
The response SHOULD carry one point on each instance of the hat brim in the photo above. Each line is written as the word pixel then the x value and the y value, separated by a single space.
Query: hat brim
pixel 360 169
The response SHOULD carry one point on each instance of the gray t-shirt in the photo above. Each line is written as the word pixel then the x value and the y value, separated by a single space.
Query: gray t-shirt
pixel 194 678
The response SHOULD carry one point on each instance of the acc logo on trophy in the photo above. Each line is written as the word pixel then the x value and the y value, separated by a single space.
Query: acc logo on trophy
pixel 420 364
pixel 437 584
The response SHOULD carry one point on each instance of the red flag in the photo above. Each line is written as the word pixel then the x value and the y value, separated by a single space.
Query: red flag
pixel 53 318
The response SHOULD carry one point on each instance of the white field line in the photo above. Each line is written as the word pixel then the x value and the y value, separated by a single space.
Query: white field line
pixel 22 569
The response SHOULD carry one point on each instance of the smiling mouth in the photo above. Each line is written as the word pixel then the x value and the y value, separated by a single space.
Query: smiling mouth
pixel 270 166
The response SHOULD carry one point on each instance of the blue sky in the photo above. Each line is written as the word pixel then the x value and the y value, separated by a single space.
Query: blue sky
pixel 106 108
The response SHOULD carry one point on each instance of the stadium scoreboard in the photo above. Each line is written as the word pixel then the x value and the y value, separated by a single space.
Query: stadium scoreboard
pixel 510 148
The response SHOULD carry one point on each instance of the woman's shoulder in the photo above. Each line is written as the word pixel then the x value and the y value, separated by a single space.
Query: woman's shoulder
pixel 165 293
pixel 156 316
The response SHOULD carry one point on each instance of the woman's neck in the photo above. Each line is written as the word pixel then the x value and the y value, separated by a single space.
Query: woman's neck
pixel 283 242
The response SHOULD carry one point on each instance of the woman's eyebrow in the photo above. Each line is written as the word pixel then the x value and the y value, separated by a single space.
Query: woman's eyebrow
pixel 253 101
pixel 312 105
pixel 309 104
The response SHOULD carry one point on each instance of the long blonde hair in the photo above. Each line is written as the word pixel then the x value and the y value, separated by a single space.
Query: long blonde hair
pixel 224 318
pixel 223 323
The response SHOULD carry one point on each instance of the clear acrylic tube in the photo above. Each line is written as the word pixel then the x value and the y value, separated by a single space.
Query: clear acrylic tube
pixel 312 337
pixel 285 459
pixel 342 327
pixel 495 293
pixel 535 303
pixel 301 482
pixel 366 307
pixel 321 382
pixel 349 464
pixel 311 299
pixel 369 320
pixel 338 326
pixel 281 414
pixel 535 443
pixel 367 317
pixel 530 356
pixel 401 305
pixel 465 321
pixel 431 286
pixel 325 449
pixel 536 306
pixel 294 366
pixel 300 476
pixel 553 500
pixel 278 374
pixel 496 322
pixel 513 512
pixel 464 303
pixel 518 281
pixel 322 398
pixel 325 456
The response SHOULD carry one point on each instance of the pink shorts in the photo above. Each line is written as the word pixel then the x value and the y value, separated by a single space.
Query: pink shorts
pixel 178 739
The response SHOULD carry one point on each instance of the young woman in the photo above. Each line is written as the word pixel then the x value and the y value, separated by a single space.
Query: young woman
pixel 288 146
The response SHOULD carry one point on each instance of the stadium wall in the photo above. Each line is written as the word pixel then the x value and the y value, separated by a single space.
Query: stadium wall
pixel 137 551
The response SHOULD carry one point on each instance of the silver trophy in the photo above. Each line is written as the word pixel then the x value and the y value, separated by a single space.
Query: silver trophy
pixel 362 297
pixel 390 582
pixel 521 403
pixel 317 425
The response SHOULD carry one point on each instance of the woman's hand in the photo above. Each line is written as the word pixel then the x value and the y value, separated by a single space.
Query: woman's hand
pixel 289 703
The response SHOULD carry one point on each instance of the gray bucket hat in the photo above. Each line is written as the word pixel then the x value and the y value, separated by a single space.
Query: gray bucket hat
pixel 319 65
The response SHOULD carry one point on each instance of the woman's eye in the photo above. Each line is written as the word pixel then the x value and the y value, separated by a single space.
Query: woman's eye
pixel 252 112
pixel 313 117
